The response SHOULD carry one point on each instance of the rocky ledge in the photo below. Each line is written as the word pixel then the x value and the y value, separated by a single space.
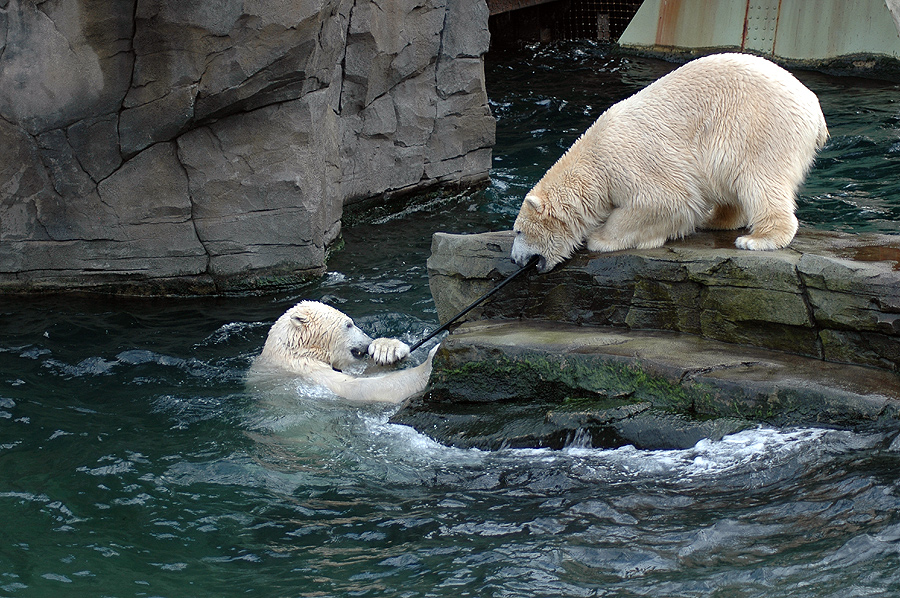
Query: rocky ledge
pixel 660 348
pixel 192 147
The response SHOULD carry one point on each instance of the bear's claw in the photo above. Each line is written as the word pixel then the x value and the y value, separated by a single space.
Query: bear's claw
pixel 386 351
pixel 755 243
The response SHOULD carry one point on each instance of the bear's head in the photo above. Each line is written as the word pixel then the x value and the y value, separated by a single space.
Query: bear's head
pixel 550 225
pixel 314 330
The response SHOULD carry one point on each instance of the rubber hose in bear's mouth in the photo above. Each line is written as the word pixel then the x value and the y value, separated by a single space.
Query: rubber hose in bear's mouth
pixel 535 259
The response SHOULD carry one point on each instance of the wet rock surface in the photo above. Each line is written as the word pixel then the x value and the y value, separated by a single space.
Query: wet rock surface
pixel 661 348
pixel 180 147
pixel 829 295
pixel 526 383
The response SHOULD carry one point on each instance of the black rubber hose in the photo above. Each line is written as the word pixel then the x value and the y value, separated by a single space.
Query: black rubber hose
pixel 531 264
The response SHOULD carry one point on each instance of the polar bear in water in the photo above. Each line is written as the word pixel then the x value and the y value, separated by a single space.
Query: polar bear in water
pixel 316 342
pixel 723 142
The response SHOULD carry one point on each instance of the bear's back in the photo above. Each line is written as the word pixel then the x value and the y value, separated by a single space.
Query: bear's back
pixel 733 102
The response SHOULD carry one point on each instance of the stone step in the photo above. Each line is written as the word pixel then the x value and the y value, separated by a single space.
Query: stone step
pixel 531 383
pixel 829 295
pixel 660 348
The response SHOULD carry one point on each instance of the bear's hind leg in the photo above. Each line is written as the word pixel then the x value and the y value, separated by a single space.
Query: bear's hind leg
pixel 774 232
pixel 769 204
pixel 774 228
pixel 726 217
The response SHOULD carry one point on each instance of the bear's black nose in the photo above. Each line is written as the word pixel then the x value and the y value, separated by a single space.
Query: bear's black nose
pixel 359 351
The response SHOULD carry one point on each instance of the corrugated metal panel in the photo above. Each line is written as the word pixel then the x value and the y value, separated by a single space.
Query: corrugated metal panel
pixel 668 23
pixel 894 7
pixel 836 28
pixel 792 29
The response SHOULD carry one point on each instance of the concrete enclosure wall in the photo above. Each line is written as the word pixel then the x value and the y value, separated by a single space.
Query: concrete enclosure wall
pixel 154 146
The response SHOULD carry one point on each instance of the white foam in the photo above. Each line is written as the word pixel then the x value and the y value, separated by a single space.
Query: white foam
pixel 736 453
pixel 745 450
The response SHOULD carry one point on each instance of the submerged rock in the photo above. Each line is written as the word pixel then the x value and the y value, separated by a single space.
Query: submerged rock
pixel 661 348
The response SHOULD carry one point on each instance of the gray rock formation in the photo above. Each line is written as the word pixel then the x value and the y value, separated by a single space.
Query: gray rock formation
pixel 661 348
pixel 187 147
pixel 549 383
pixel 831 296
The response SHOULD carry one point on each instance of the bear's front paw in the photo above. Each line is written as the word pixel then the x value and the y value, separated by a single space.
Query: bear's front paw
pixel 386 351
pixel 604 243
pixel 755 243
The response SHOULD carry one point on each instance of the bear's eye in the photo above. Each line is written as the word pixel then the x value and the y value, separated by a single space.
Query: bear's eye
pixel 349 325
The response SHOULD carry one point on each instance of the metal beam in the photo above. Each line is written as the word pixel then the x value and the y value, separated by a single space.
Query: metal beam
pixel 501 6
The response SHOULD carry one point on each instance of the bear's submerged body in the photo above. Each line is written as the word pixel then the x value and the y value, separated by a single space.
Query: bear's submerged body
pixel 315 342
pixel 723 142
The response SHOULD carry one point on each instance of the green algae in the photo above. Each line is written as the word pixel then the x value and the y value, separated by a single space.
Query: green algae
pixel 572 381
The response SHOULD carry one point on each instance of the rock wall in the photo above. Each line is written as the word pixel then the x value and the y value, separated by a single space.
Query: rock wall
pixel 830 296
pixel 502 383
pixel 661 348
pixel 188 147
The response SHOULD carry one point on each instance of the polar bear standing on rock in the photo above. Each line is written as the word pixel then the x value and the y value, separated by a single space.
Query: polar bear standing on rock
pixel 316 342
pixel 723 142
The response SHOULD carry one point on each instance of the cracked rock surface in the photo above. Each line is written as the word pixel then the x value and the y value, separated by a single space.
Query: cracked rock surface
pixel 661 348
pixel 186 147
pixel 831 296
pixel 554 385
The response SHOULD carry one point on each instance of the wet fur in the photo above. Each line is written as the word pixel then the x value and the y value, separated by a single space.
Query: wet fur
pixel 315 342
pixel 723 142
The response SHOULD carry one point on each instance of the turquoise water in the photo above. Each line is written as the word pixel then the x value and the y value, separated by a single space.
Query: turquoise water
pixel 135 462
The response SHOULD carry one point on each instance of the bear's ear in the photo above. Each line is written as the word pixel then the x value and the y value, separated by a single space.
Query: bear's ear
pixel 299 320
pixel 535 202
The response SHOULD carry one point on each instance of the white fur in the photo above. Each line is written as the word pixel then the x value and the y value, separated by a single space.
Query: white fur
pixel 388 350
pixel 315 341
pixel 724 141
